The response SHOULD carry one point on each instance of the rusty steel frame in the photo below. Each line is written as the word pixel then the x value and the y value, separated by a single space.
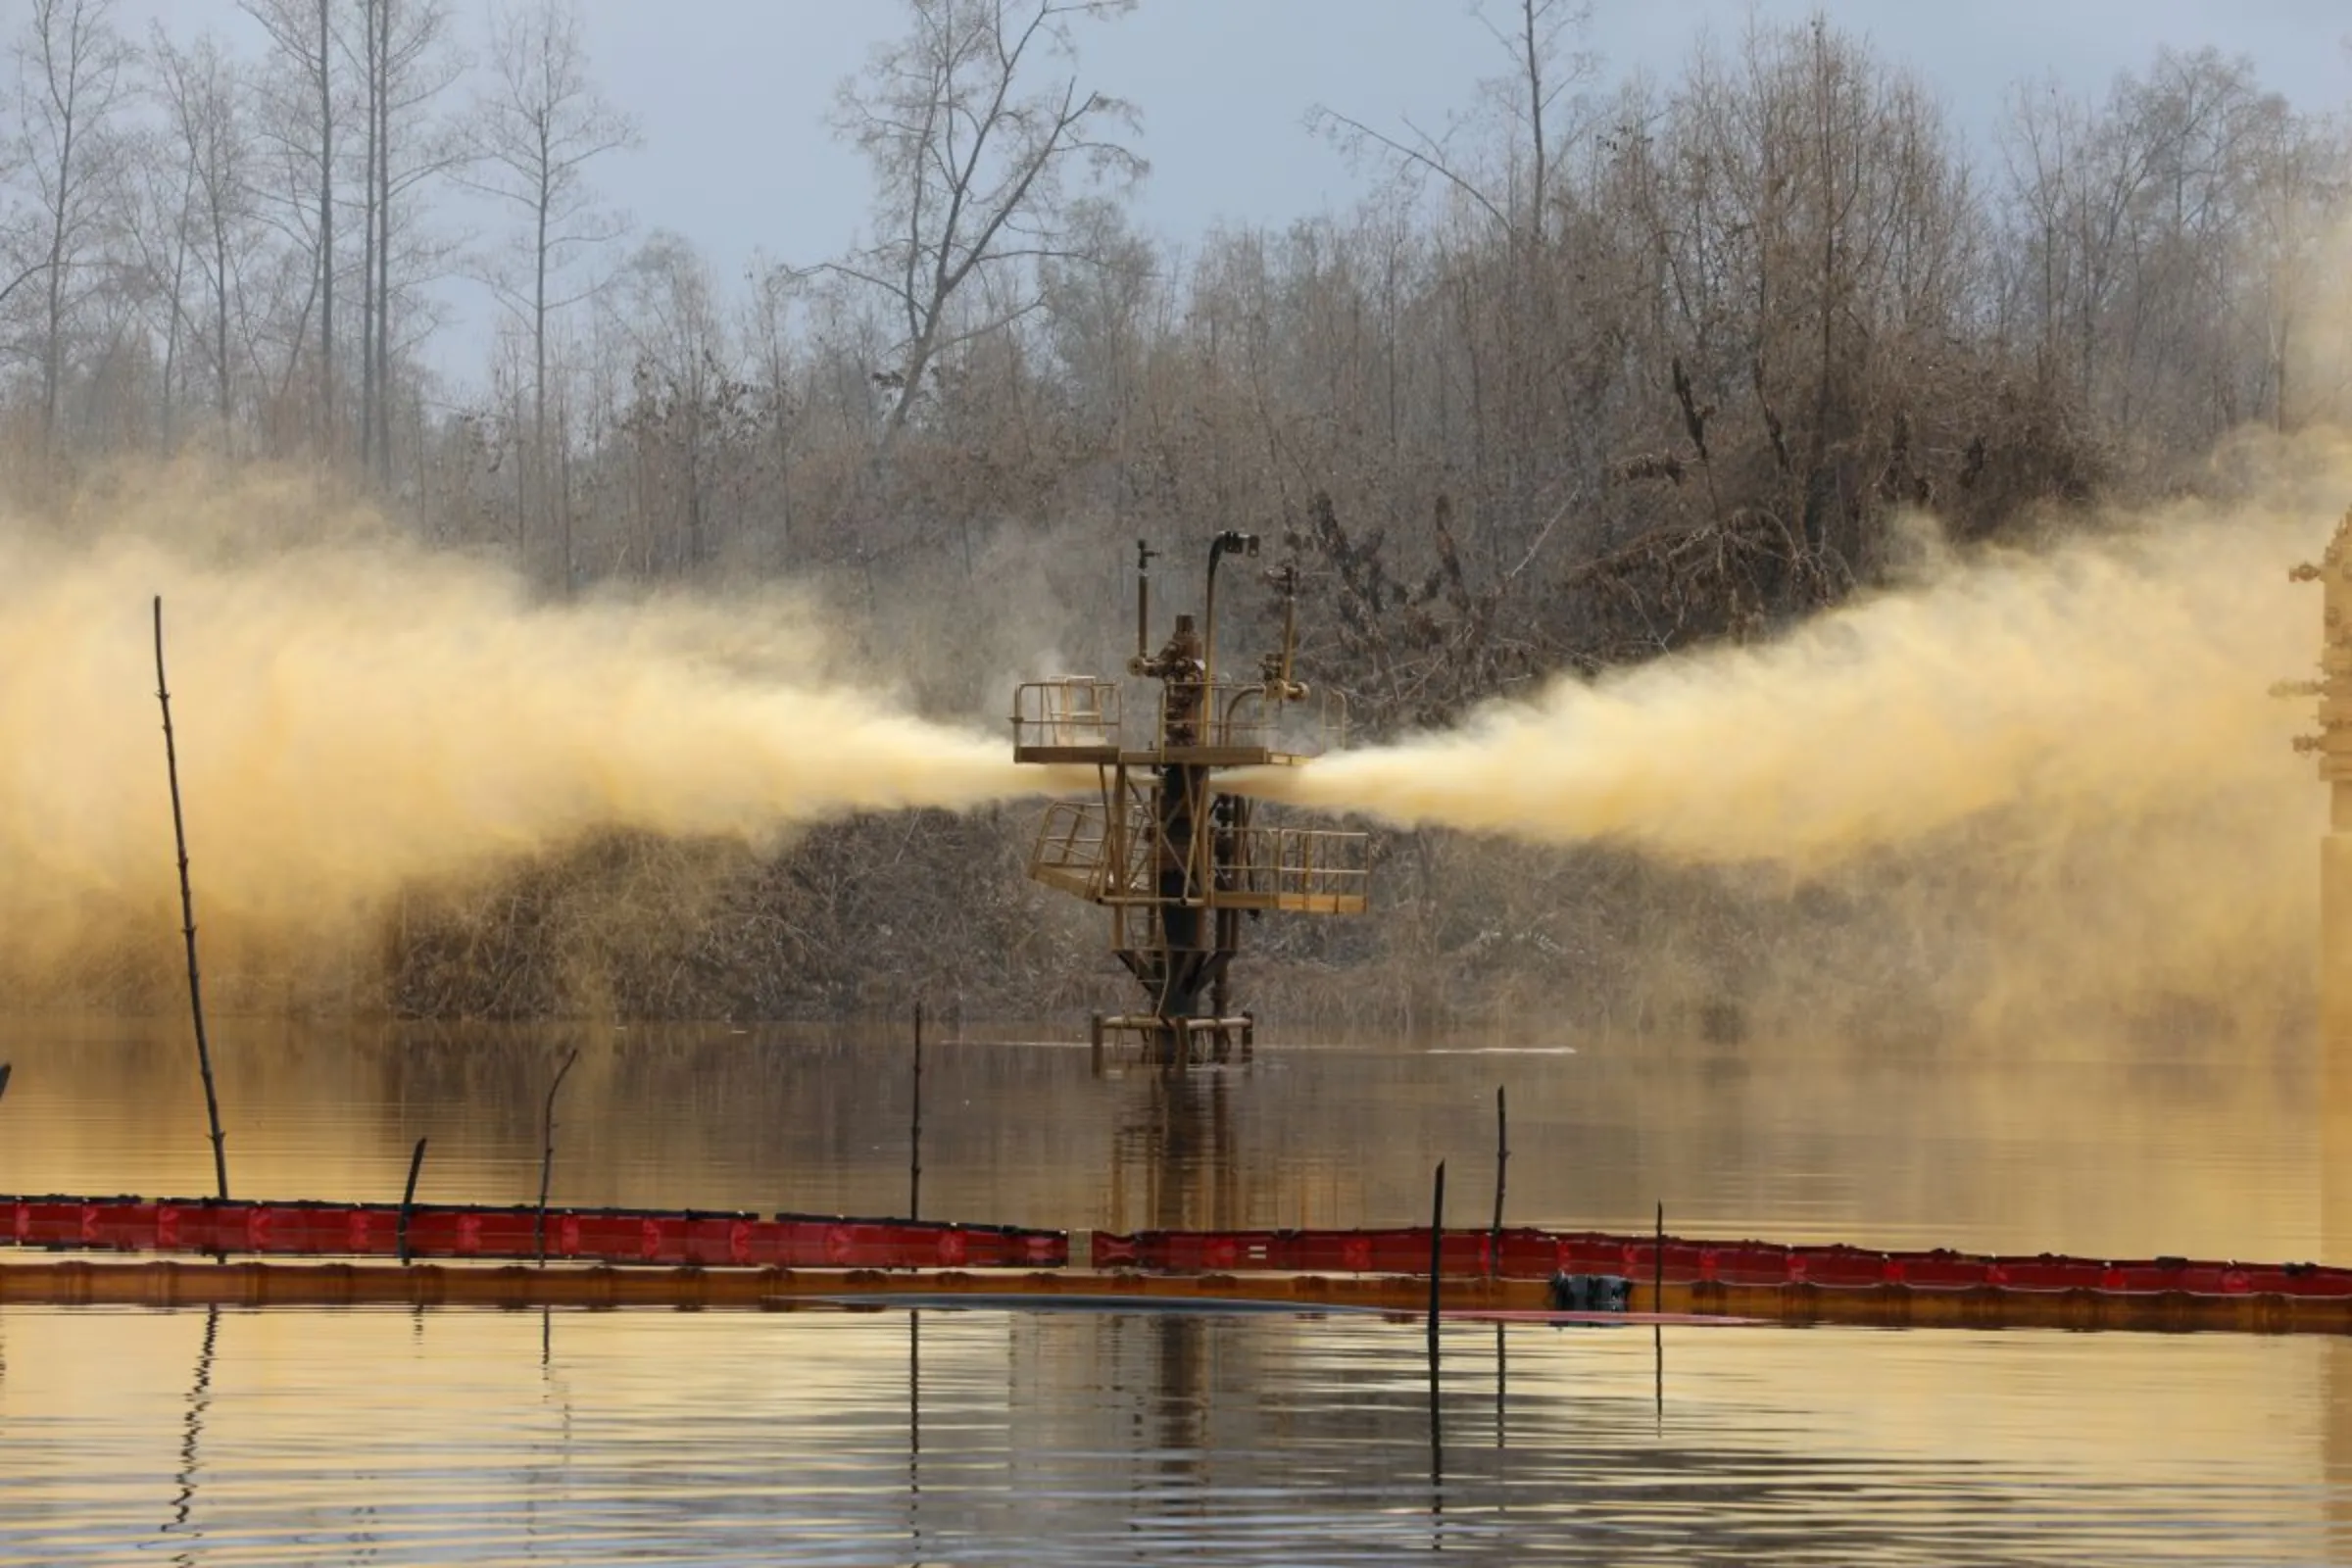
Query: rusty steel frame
pixel 1176 860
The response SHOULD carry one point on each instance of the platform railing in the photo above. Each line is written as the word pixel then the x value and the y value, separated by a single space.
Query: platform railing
pixel 1071 849
pixel 1066 712
pixel 1305 862
pixel 1331 720
pixel 1230 716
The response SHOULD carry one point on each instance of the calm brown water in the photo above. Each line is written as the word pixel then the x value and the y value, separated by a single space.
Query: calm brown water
pixel 975 1438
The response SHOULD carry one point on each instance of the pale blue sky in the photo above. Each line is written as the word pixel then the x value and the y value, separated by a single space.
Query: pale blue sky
pixel 734 93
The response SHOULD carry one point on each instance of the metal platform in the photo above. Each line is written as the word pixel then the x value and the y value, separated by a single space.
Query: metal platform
pixel 1177 860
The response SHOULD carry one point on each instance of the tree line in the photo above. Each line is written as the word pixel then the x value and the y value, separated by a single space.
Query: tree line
pixel 1605 367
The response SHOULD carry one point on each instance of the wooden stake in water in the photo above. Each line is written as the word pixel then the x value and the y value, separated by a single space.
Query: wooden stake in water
pixel 1657 1264
pixel 187 913
pixel 1437 1258
pixel 1658 1331
pixel 914 1132
pixel 408 1198
pixel 1502 1157
pixel 547 1153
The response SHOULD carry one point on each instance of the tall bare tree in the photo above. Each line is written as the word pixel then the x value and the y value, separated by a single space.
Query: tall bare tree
pixel 1538 38
pixel 73 69
pixel 305 112
pixel 1501 170
pixel 405 61
pixel 204 96
pixel 980 134
pixel 531 139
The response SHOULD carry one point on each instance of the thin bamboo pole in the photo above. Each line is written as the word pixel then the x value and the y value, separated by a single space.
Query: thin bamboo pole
pixel 1502 1159
pixel 914 1132
pixel 408 1198
pixel 1437 1258
pixel 546 1154
pixel 188 914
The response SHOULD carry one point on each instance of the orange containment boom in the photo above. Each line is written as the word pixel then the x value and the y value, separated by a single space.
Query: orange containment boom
pixel 1528 1253
pixel 286 1283
pixel 660 1237
pixel 624 1257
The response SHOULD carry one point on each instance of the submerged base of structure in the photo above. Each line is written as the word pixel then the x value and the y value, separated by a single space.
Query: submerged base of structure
pixel 171 1283
pixel 1180 1040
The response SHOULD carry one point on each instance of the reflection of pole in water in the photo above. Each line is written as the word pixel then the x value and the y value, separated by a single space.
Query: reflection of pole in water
pixel 1502 1388
pixel 1437 1452
pixel 200 1399
pixel 1657 1375
pixel 1436 1439
pixel 915 1430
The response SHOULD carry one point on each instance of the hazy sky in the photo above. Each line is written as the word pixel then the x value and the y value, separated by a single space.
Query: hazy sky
pixel 733 94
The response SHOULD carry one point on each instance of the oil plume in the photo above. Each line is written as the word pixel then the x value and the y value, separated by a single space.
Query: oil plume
pixel 359 714
pixel 2028 783
pixel 2100 677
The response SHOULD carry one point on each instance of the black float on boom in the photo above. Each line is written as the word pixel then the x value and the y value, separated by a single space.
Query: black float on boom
pixel 1176 860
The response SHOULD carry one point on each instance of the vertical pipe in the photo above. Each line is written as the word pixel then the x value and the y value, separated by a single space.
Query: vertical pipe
pixel 187 913
pixel 1290 625
pixel 1142 601
pixel 1436 1259
pixel 408 1198
pixel 914 1133
pixel 1503 1158
pixel 1209 638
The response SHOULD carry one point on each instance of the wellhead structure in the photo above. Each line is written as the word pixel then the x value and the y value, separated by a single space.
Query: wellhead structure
pixel 1177 860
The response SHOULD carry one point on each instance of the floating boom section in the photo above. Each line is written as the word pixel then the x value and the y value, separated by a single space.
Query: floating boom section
pixel 1177 862
pixel 687 1258
pixel 614 1236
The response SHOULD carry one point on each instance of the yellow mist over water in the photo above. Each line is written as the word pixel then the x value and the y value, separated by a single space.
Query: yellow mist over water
pixel 2028 783
pixel 2050 775
pixel 357 713
pixel 2097 680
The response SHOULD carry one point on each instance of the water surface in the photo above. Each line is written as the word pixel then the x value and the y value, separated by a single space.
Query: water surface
pixel 951 1437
